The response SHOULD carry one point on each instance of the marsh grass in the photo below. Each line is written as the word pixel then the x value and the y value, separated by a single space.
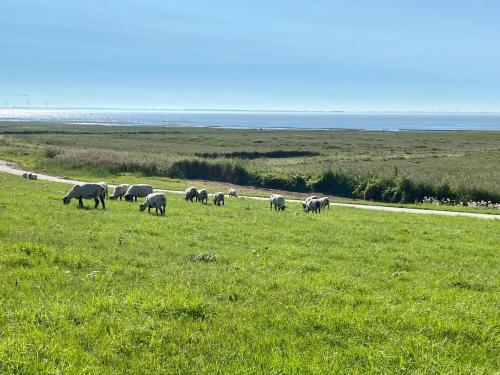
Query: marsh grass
pixel 463 162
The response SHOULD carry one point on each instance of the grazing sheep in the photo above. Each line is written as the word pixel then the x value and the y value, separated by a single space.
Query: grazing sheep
pixel 25 175
pixel 105 186
pixel 232 193
pixel 86 191
pixel 191 193
pixel 325 202
pixel 278 201
pixel 219 198
pixel 119 192
pixel 30 176
pixel 202 195
pixel 155 200
pixel 139 190
pixel 34 177
pixel 313 205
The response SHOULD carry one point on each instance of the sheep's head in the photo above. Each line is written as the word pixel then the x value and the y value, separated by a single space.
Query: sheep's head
pixel 128 197
pixel 142 207
pixel 66 200
pixel 303 205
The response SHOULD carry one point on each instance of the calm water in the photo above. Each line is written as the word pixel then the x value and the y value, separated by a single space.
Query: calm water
pixel 241 119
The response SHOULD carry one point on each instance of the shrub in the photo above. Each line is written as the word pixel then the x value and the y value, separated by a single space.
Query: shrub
pixel 335 183
pixel 51 152
pixel 372 192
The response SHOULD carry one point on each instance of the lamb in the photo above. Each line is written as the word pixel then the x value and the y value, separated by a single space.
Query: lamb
pixel 191 193
pixel 120 191
pixel 219 198
pixel 105 186
pixel 202 195
pixel 25 175
pixel 313 205
pixel 86 191
pixel 155 200
pixel 34 177
pixel 232 193
pixel 278 201
pixel 139 190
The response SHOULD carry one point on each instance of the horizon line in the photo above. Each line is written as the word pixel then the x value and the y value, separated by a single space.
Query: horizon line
pixel 245 110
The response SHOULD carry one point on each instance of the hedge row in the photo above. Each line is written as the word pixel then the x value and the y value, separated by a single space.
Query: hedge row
pixel 376 188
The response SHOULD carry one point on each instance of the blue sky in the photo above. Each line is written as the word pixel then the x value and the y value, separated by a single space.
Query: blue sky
pixel 347 55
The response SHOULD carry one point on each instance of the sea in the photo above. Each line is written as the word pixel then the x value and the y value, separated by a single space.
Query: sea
pixel 366 121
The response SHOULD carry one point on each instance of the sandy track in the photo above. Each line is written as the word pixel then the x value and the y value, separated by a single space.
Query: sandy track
pixel 12 169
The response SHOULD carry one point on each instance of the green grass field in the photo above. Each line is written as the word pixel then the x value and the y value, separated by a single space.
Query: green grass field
pixel 241 289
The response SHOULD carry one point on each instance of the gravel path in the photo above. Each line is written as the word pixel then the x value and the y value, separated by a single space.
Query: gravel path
pixel 12 169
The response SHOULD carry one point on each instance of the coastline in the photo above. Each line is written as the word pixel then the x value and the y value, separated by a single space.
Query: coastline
pixel 263 120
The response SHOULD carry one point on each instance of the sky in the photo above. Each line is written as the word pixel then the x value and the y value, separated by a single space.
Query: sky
pixel 288 55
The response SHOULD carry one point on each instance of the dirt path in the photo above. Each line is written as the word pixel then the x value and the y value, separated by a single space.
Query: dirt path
pixel 12 169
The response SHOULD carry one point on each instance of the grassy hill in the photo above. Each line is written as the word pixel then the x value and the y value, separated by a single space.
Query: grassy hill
pixel 241 289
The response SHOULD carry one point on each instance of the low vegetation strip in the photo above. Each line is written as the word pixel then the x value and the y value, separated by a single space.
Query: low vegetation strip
pixel 257 154
pixel 209 289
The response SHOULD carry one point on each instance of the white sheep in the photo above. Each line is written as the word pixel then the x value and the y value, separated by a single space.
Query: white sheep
pixel 219 198
pixel 155 200
pixel 313 205
pixel 86 191
pixel 139 190
pixel 278 201
pixel 232 193
pixel 202 195
pixel 191 193
pixel 120 191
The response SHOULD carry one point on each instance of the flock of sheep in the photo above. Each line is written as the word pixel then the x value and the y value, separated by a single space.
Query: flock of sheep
pixel 99 191
pixel 30 176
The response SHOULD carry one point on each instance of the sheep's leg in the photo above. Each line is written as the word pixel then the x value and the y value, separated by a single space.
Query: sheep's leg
pixel 149 209
pixel 223 203
pixel 96 200
pixel 102 202
pixel 156 208
pixel 80 202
